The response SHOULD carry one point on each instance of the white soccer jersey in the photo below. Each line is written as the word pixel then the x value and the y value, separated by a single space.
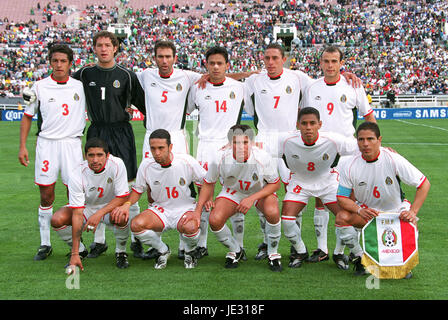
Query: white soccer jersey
pixel 220 107
pixel 274 103
pixel 248 177
pixel 310 165
pixel 376 184
pixel 169 185
pixel 95 190
pixel 335 103
pixel 61 108
pixel 166 98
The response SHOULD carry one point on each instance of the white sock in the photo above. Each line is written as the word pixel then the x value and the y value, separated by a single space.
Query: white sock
pixel 153 239
pixel 349 237
pixel 203 235
pixel 100 233
pixel 262 224
pixel 237 221
pixel 45 214
pixel 134 210
pixel 321 218
pixel 293 234
pixel 65 232
pixel 225 237
pixel 121 238
pixel 299 219
pixel 274 233
pixel 190 240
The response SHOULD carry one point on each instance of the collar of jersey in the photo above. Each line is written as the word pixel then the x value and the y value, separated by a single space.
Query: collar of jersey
pixel 218 83
pixel 276 77
pixel 374 160
pixel 59 82
pixel 311 144
pixel 166 77
pixel 332 83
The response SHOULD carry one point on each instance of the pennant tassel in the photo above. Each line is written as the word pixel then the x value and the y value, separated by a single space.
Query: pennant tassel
pixel 389 272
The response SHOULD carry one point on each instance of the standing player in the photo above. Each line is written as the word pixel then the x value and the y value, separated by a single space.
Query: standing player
pixel 59 102
pixel 308 154
pixel 96 187
pixel 111 89
pixel 249 177
pixel 168 177
pixel 220 106
pixel 374 177
pixel 338 104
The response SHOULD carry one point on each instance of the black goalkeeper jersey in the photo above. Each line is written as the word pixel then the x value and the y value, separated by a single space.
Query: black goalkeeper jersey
pixel 109 92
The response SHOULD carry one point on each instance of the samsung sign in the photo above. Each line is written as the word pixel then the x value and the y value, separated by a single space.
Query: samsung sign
pixel 410 113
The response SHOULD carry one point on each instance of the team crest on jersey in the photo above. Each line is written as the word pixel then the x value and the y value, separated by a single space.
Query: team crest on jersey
pixel 116 84
pixel 182 181
pixel 179 87
pixel 76 97
pixel 389 181
pixel 232 95
pixel 325 157
pixel 288 90
pixel 109 180
pixel 255 177
pixel 343 98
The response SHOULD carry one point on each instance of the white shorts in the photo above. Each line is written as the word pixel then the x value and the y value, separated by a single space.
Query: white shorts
pixel 269 142
pixel 88 212
pixel 170 218
pixel 295 193
pixel 178 139
pixel 234 195
pixel 54 156
pixel 207 152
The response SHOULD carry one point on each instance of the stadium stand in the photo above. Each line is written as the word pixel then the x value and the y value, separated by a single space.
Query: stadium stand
pixel 395 47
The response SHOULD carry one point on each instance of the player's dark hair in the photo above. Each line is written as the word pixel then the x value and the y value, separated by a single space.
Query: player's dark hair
pixel 161 134
pixel 278 47
pixel 96 143
pixel 106 34
pixel 61 48
pixel 165 45
pixel 217 50
pixel 372 126
pixel 240 130
pixel 308 110
pixel 333 49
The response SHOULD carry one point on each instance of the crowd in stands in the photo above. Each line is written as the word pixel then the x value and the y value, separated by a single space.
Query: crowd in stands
pixel 389 44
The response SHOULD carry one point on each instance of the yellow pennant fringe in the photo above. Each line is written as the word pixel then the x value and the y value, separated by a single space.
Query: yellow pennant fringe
pixel 390 272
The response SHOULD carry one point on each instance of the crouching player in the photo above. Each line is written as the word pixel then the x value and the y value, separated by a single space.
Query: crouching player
pixel 374 176
pixel 168 177
pixel 249 176
pixel 309 154
pixel 96 187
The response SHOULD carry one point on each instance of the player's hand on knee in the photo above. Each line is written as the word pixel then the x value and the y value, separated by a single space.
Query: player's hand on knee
pixel 191 217
pixel 245 205
pixel 209 205
pixel 119 218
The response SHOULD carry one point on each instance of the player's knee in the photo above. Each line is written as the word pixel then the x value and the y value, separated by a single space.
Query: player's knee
pixel 57 221
pixel 190 228
pixel 137 225
pixel 216 222
pixel 343 218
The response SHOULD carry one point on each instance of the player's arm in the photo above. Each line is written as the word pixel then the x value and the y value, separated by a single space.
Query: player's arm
pixel 120 213
pixel 25 126
pixel 347 203
pixel 420 197
pixel 370 117
pixel 241 75
pixel 96 218
pixel 137 94
pixel 206 193
pixel 352 79
pixel 77 219
pixel 249 201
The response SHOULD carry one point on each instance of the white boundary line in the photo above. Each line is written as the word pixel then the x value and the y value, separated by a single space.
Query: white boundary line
pixel 422 125
pixel 417 143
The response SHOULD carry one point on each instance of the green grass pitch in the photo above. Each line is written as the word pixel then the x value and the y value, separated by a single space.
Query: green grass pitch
pixel 423 142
